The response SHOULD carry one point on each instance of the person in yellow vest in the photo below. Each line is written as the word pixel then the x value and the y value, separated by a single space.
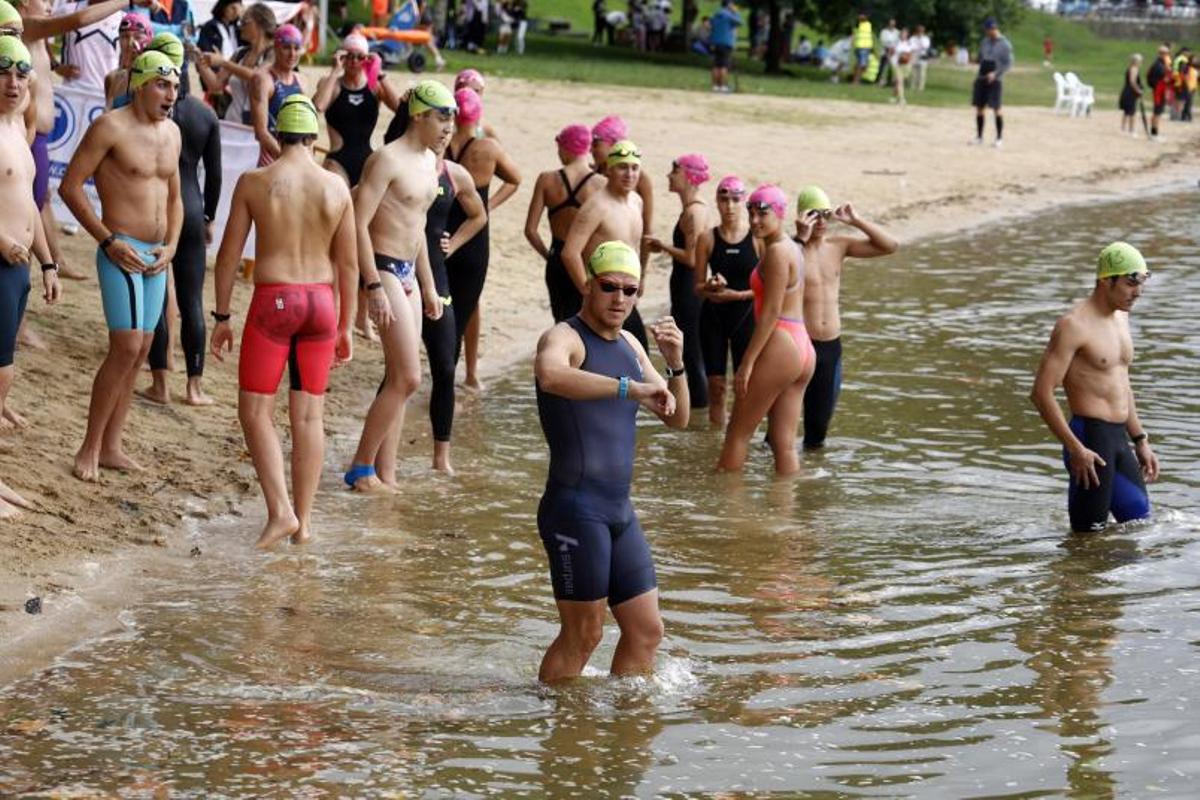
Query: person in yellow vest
pixel 863 41
pixel 1183 95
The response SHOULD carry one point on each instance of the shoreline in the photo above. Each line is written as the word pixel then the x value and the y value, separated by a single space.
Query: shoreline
pixel 83 555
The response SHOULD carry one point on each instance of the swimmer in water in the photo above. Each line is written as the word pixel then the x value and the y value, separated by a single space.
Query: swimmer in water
pixel 727 311
pixel 399 184
pixel 778 362
pixel 304 248
pixel 824 257
pixel 485 159
pixel 562 192
pixel 133 155
pixel 688 173
pixel 614 213
pixel 591 376
pixel 1106 449
pixel 21 235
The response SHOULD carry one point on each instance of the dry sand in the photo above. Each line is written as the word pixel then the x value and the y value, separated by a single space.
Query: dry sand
pixel 907 167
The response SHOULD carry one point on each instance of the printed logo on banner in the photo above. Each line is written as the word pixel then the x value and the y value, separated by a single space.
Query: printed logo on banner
pixel 64 123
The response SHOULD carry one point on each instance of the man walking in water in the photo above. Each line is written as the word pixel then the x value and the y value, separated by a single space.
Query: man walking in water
pixel 591 377
pixel 824 257
pixel 399 184
pixel 304 244
pixel 613 213
pixel 995 59
pixel 133 155
pixel 1089 354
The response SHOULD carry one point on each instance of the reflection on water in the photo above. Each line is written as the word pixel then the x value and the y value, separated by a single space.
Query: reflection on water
pixel 907 617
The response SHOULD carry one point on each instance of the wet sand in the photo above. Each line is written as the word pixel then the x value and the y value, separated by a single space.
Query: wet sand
pixel 909 168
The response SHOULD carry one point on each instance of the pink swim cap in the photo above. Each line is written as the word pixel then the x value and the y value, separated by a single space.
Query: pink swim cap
pixel 139 24
pixel 695 168
pixel 356 43
pixel 470 107
pixel 469 79
pixel 289 34
pixel 575 139
pixel 610 130
pixel 771 195
pixel 731 184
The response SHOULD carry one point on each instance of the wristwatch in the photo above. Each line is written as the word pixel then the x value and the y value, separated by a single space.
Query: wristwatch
pixel 220 317
pixel 1141 437
pixel 671 372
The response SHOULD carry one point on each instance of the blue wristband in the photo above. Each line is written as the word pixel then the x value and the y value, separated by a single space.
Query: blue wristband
pixel 622 387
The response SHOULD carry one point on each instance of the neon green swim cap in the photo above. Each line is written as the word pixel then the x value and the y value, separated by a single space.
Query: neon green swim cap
pixel 297 114
pixel 1120 258
pixel 429 95
pixel 169 45
pixel 151 64
pixel 615 256
pixel 12 48
pixel 10 18
pixel 624 152
pixel 813 198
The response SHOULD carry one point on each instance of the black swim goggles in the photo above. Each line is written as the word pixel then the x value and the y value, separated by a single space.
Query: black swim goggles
pixel 624 152
pixel 1136 278
pixel 447 111
pixel 609 288
pixel 162 71
pixel 761 206
pixel 7 63
pixel 824 213
pixel 725 194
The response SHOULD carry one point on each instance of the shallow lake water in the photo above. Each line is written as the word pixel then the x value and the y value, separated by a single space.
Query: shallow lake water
pixel 907 618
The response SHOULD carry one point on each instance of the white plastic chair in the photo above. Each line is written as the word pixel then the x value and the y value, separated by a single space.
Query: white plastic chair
pixel 1064 99
pixel 1085 98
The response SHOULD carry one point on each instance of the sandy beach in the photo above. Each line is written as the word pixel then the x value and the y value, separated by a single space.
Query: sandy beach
pixel 909 168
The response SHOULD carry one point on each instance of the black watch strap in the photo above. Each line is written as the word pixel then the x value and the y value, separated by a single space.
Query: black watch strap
pixel 674 373
pixel 112 237
pixel 1141 437
pixel 49 265
pixel 221 317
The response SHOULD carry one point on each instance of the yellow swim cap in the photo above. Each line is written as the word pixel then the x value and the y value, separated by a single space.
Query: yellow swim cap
pixel 1120 258
pixel 169 45
pixel 813 198
pixel 14 50
pixel 10 18
pixel 429 95
pixel 624 152
pixel 151 64
pixel 297 114
pixel 615 256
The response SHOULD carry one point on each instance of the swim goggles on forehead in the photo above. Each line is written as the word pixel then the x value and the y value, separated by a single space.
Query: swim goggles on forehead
pixel 624 152
pixel 760 206
pixel 420 93
pixel 729 194
pixel 7 63
pixel 1135 278
pixel 162 71
pixel 126 26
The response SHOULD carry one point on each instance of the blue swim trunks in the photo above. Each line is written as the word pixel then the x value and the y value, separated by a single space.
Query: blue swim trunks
pixel 132 301
pixel 403 269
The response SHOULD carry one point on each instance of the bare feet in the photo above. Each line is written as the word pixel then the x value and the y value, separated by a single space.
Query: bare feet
pixel 9 495
pixel 87 468
pixel 10 419
pixel 367 331
pixel 196 396
pixel 7 511
pixel 66 272
pixel 441 457
pixel 120 462
pixel 276 530
pixel 472 383
pixel 155 394
pixel 303 534
pixel 369 484
pixel 28 337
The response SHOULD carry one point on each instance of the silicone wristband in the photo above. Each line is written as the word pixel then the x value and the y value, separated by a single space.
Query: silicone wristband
pixel 623 387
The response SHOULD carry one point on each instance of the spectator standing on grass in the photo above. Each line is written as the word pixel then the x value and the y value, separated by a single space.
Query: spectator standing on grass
pixel 599 21
pixel 901 65
pixel 701 34
pixel 656 27
pixel 863 41
pixel 724 31
pixel 920 63
pixel 519 11
pixel 803 52
pixel 889 37
pixel 637 21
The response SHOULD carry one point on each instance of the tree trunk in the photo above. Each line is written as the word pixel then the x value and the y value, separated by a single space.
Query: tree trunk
pixel 773 59
pixel 689 19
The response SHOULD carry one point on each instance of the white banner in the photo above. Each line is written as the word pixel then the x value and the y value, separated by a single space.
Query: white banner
pixel 74 110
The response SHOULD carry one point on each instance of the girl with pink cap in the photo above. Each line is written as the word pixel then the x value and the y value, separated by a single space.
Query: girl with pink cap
pixel 727 309
pixel 485 159
pixel 272 85
pixel 688 173
pixel 561 193
pixel 779 361
pixel 135 34
pixel 472 79
pixel 349 98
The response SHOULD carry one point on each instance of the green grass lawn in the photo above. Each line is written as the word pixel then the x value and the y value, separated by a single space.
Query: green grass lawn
pixel 571 58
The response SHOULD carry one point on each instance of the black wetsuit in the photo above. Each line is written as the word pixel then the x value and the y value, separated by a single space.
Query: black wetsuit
pixel 592 536
pixel 685 308
pixel 353 114
pixel 821 395
pixel 1122 491
pixel 440 335
pixel 14 294
pixel 726 328
pixel 200 138
pixel 565 300
pixel 469 264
